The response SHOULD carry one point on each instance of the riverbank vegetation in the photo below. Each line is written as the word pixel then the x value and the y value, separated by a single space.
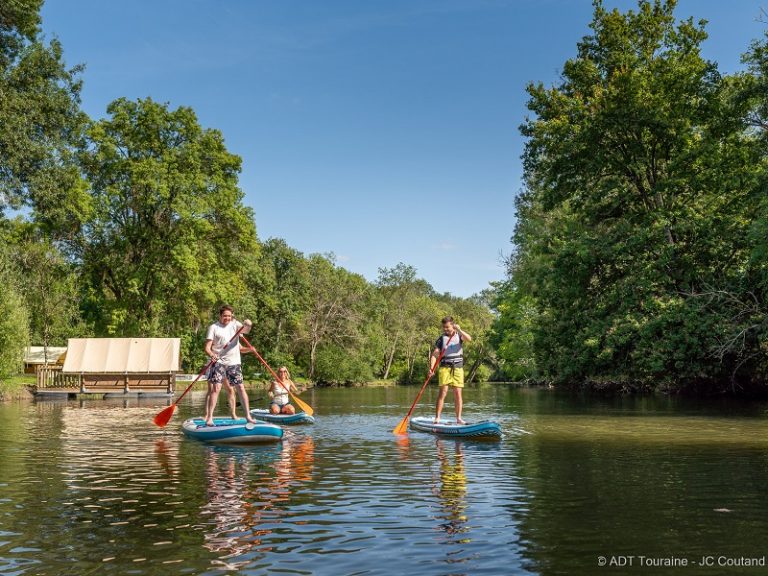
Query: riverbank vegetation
pixel 134 225
pixel 16 387
pixel 639 255
pixel 640 246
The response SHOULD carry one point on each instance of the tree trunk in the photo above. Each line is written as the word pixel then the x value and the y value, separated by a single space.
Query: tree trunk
pixel 312 359
pixel 388 364
pixel 411 362
pixel 278 331
pixel 476 365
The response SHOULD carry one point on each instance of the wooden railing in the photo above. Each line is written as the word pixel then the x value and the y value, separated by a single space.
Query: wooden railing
pixel 50 376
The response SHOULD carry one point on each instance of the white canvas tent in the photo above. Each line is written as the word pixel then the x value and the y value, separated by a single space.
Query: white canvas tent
pixel 128 363
pixel 122 355
pixel 35 356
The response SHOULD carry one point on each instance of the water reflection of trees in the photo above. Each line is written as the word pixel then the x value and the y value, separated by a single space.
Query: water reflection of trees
pixel 588 494
pixel 248 493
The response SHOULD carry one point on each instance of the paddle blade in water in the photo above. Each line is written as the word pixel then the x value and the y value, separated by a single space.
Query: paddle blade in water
pixel 165 415
pixel 401 428
pixel 302 405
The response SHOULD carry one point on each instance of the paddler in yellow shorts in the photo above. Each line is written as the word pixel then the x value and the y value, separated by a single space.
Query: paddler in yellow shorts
pixel 451 369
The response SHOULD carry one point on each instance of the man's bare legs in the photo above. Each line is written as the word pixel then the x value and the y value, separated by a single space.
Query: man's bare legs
pixel 210 402
pixel 244 401
pixel 440 402
pixel 459 404
pixel 457 400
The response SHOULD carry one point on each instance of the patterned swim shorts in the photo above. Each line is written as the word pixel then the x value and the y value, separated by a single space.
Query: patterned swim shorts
pixel 218 371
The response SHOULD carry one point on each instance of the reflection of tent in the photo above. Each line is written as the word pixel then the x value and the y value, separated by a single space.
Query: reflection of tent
pixel 124 363
pixel 35 356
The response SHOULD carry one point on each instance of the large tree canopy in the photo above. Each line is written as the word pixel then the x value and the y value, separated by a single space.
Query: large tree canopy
pixel 168 236
pixel 639 186
pixel 40 123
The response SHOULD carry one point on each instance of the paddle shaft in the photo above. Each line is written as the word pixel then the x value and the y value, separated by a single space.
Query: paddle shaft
pixel 305 407
pixel 424 386
pixel 267 366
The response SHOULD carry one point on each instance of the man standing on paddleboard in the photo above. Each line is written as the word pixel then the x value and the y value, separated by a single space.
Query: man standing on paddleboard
pixel 225 352
pixel 451 369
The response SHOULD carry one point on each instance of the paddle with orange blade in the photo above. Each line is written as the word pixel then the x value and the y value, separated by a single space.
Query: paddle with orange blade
pixel 402 427
pixel 167 413
pixel 303 406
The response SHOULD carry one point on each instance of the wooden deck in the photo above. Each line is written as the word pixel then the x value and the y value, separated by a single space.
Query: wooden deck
pixel 51 380
pixel 106 393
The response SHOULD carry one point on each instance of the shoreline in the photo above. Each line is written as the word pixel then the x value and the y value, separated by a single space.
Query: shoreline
pixel 16 387
pixel 22 388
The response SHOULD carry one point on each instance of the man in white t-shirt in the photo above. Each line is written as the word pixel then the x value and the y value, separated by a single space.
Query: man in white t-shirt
pixel 225 352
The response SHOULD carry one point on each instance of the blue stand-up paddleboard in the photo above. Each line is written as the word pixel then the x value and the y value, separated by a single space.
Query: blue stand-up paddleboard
pixel 287 419
pixel 484 430
pixel 228 431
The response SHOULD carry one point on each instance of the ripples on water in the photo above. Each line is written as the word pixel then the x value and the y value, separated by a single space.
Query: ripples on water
pixel 97 489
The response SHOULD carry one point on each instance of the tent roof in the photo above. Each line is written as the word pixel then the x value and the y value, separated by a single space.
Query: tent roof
pixel 36 354
pixel 122 355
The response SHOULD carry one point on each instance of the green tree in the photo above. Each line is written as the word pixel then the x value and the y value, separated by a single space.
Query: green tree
pixel 474 315
pixel 335 318
pixel 14 322
pixel 425 313
pixel 288 298
pixel 512 333
pixel 40 123
pixel 168 237
pixel 51 290
pixel 399 288
pixel 637 189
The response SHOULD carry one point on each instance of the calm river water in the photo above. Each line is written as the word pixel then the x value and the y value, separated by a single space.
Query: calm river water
pixel 96 488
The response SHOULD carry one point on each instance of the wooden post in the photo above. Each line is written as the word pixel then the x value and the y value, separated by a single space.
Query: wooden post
pixel 40 376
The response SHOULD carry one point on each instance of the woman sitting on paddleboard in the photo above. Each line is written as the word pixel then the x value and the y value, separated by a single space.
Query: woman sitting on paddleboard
pixel 278 391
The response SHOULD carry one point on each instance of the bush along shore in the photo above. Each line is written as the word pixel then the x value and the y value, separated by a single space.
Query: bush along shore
pixel 16 387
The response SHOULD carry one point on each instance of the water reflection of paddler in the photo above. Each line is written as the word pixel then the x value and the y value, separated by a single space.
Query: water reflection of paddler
pixel 163 454
pixel 233 505
pixel 296 464
pixel 303 459
pixel 452 489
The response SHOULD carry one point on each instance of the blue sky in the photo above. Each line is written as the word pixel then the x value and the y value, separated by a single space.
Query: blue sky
pixel 384 131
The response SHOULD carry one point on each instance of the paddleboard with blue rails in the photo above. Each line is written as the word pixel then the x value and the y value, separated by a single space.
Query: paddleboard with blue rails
pixel 485 429
pixel 286 419
pixel 229 431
